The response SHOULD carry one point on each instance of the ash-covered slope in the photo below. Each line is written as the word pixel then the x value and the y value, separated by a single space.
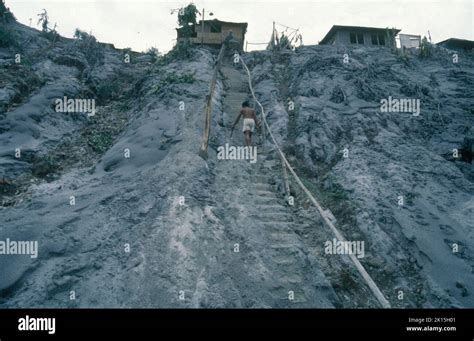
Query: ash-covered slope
pixel 94 191
pixel 126 214
pixel 389 177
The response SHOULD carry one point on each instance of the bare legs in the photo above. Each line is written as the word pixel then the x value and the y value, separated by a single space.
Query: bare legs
pixel 248 137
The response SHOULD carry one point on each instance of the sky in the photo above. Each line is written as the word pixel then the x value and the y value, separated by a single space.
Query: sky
pixel 141 24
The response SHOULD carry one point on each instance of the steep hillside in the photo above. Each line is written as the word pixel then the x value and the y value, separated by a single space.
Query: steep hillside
pixel 387 156
pixel 123 164
pixel 126 214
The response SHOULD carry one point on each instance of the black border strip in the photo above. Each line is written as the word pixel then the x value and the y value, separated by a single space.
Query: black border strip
pixel 377 322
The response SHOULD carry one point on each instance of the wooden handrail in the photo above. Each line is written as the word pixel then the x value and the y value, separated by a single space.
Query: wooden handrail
pixel 208 107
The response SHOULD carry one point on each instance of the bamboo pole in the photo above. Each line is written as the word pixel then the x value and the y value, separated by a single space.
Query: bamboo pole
pixel 208 107
pixel 285 177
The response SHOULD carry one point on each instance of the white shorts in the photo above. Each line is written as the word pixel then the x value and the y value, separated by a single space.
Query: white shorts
pixel 249 124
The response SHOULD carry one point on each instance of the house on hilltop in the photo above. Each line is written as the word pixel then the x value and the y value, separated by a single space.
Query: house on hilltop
pixel 457 44
pixel 409 41
pixel 359 35
pixel 214 32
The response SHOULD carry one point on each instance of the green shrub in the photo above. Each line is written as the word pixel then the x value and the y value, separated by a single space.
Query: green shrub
pixel 127 50
pixel 425 48
pixel 89 45
pixel 174 78
pixel 182 50
pixel 403 58
pixel 107 90
pixel 153 52
pixel 44 166
pixel 100 141
pixel 6 15
pixel 51 35
pixel 8 38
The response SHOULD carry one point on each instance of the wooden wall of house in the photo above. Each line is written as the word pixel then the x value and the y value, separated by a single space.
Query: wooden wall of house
pixel 214 38
pixel 237 31
pixel 217 38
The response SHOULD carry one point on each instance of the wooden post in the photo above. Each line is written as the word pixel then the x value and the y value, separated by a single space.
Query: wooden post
pixel 202 28
pixel 263 132
pixel 273 35
pixel 285 178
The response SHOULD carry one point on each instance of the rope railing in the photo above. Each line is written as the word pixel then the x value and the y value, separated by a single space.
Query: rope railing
pixel 291 28
pixel 248 43
pixel 365 275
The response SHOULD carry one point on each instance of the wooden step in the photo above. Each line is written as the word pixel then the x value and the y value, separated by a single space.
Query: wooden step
pixel 272 218
pixel 286 237
pixel 292 279
pixel 284 260
pixel 282 246
pixel 264 193
pixel 278 224
pixel 276 207
pixel 270 201
pixel 263 186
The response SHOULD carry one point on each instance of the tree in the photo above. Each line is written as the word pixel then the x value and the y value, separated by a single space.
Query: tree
pixel 284 42
pixel 187 15
pixel 187 20
pixel 48 33
pixel 89 45
pixel 425 48
pixel 153 52
pixel 44 20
